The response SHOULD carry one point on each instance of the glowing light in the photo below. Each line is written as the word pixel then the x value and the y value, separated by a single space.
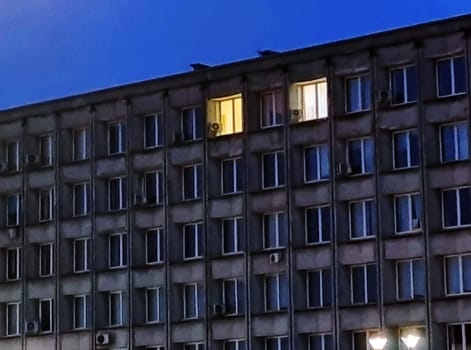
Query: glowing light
pixel 410 340
pixel 378 342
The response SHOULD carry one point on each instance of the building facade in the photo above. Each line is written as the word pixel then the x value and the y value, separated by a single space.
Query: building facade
pixel 302 200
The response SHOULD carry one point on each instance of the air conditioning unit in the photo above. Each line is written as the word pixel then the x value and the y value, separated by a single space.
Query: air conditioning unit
pixel 31 327
pixel 344 169
pixel 219 309
pixel 32 159
pixel 416 224
pixel 296 115
pixel 214 128
pixel 13 232
pixel 384 97
pixel 102 338
pixel 275 258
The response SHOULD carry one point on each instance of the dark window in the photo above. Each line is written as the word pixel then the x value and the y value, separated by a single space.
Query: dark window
pixel 232 175
pixel 364 284
pixel 192 182
pixel 456 207
pixel 153 135
pixel 319 288
pixel 403 84
pixel 191 124
pixel 406 149
pixel 272 109
pixel 358 90
pixel 454 142
pixel 273 170
pixel 317 224
pixel 451 76
pixel 410 279
pixel 316 163
pixel 360 156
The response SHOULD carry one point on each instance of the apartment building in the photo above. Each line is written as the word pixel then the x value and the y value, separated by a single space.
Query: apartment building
pixel 316 199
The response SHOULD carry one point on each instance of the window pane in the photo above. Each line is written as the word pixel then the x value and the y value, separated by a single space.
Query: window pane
pixel 355 156
pixel 466 267
pixel 452 275
pixel 444 78
pixel 411 83
pixel 314 288
pixel 450 208
pixel 462 141
pixel 311 164
pixel 401 150
pixel 397 86
pixel 365 92
pixel 152 305
pixel 357 223
pixel 465 206
pixel 403 223
pixel 230 296
pixel 459 73
pixel 230 236
pixel 404 280
pixel 448 143
pixel 358 285
pixel 312 225
pixel 327 287
pixel 414 148
pixel 353 95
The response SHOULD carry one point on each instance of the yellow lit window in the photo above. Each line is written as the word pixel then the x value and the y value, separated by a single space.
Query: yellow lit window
pixel 225 115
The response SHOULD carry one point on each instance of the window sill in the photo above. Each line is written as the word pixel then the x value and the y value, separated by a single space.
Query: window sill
pixel 394 106
pixel 404 169
pixel 447 98
pixel 355 114
pixel 315 182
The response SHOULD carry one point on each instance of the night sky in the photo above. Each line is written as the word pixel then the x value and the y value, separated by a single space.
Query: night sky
pixel 55 48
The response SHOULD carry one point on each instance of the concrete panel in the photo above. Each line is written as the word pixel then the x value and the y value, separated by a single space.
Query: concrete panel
pixel 226 87
pixel 11 130
pixel 75 118
pixel 188 272
pixel 186 154
pixel 79 227
pixel 356 188
pixel 453 175
pixel 147 104
pixel 359 252
pixel 307 71
pixel 11 343
pixel 225 147
pixel 268 140
pixel 6 241
pixel 108 167
pixel 270 325
pixel 310 133
pixel 148 161
pixel 349 64
pixel 11 291
pixel 113 110
pixel 364 317
pixel 188 332
pixel 398 119
pixel 149 277
pixel 404 247
pixel 111 280
pixel 76 341
pixel 12 183
pixel 150 217
pixel 261 263
pixel 41 178
pixel 354 126
pixel 400 182
pixel 77 284
pixel 404 314
pixel 396 55
pixel 40 125
pixel 228 328
pixel 226 207
pixel 450 243
pixel 40 289
pixel 149 335
pixel 266 80
pixel 187 212
pixel 40 233
pixel 228 267
pixel 313 258
pixel 185 97
pixel 318 321
pixel 451 310
pixel 268 201
pixel 76 172
pixel 439 46
pixel 438 112
pixel 111 223
pixel 45 342
pixel 317 194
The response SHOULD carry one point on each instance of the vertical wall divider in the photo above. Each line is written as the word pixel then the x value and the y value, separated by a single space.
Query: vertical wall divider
pixel 57 191
pixel 92 112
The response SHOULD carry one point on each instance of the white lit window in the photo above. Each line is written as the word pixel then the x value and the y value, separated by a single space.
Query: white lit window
pixel 232 231
pixel 154 187
pixel 12 319
pixel 81 253
pixel 46 316
pixel 153 305
pixel 81 199
pixel 456 207
pixel 13 156
pixel 191 123
pixel 118 250
pixel 236 344
pixel 154 246
pixel 362 219
pixel 317 221
pixel 454 142
pixel 408 212
pixel 232 293
pixel 192 182
pixel 277 343
pixel 46 259
pixel 451 76
pixel 153 133
pixel 271 109
pixel 316 163
pixel 45 150
pixel 363 284
pixel 225 115
pixel 117 193
pixel 406 149
pixel 115 308
pixel 458 274
pixel 116 138
pixel 312 98
pixel 46 202
pixel 13 209
pixel 404 332
pixel 80 140
pixel 273 169
pixel 360 156
pixel 192 241
pixel 319 288
pixel 275 233
pixel 13 264
pixel 80 311
pixel 321 341
pixel 358 93
pixel 410 279
pixel 403 84
pixel 276 292
pixel 232 175
pixel 190 301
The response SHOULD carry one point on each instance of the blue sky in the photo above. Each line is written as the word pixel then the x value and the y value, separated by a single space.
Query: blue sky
pixel 55 48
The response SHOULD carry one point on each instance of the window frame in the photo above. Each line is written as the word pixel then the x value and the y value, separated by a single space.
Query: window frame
pixel 318 152
pixel 47 194
pixel 121 139
pixel 43 248
pixel 13 165
pixel 320 225
pixel 301 102
pixel 45 150
pixel 236 282
pixel 122 200
pixel 321 290
pixel 409 165
pixel 186 314
pixel 463 326
pixel 18 198
pixel 50 301
pixel 405 86
pixel 278 232
pixel 85 253
pixel 458 206
pixel 157 290
pixel 239 344
pixel 410 210
pixel 455 126
pixel 217 117
pixel 276 170
pixel 235 237
pixel 196 175
pixel 366 105
pixel 123 253
pixel 111 306
pixel 158 179
pixel 364 209
pixel 85 191
pixel 84 310
pixel 412 277
pixel 323 337
pixel 17 266
pixel 198 228
pixel 80 153
pixel 236 187
pixel 460 273
pixel 278 342
pixel 273 123
pixel 452 76
pixel 158 133
pixel 278 307
pixel 366 300
pixel 194 123
pixel 364 160
pixel 16 305
pixel 159 248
